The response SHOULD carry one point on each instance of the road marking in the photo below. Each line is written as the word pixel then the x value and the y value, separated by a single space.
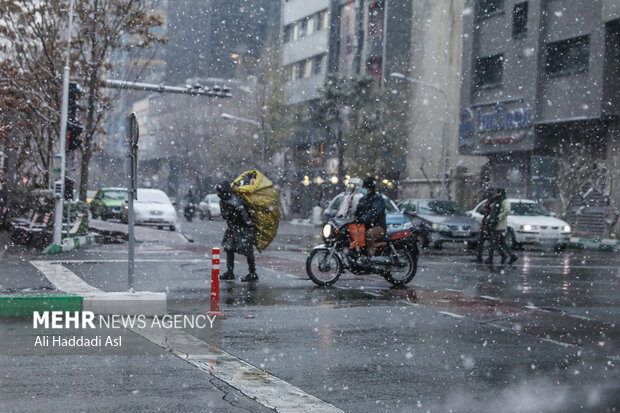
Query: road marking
pixel 488 297
pixel 257 384
pixel 597 267
pixel 268 390
pixel 533 307
pixel 451 314
pixel 559 343
pixel 193 260
pixel 64 279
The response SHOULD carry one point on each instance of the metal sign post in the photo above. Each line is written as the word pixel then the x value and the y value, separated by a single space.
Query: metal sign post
pixel 132 191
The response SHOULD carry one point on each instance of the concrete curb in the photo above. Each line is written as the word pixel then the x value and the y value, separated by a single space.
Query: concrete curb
pixel 608 245
pixel 126 303
pixel 23 305
pixel 69 244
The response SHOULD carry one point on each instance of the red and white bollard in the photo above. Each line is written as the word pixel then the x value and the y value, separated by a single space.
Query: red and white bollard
pixel 215 283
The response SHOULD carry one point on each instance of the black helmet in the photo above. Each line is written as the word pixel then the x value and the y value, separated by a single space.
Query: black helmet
pixel 369 183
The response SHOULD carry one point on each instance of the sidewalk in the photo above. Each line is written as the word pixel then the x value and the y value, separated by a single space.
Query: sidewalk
pixel 609 245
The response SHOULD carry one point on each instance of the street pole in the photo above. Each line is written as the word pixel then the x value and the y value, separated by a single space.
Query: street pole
pixel 59 187
pixel 444 137
pixel 132 191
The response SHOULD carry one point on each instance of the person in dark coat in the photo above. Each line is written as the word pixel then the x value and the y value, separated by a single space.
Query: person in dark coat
pixel 371 212
pixel 240 232
pixel 498 223
pixel 485 231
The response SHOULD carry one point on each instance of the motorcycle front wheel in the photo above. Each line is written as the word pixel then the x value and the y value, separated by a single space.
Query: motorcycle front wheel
pixel 408 266
pixel 321 269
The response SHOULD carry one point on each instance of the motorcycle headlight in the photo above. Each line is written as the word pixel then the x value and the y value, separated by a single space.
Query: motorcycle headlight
pixel 566 228
pixel 327 230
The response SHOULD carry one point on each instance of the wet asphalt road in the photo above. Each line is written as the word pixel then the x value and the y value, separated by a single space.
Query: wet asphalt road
pixel 540 335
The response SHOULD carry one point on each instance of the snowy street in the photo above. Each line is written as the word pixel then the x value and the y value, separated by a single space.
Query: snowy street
pixel 540 334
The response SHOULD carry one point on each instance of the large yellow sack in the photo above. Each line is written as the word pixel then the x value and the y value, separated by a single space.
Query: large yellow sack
pixel 263 202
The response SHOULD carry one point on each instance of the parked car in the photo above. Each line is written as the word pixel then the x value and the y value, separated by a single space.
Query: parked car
pixel 395 220
pixel 441 221
pixel 529 223
pixel 209 207
pixel 153 208
pixel 108 202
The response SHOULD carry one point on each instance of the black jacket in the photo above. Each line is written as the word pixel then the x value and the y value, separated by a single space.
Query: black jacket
pixel 371 211
pixel 495 208
pixel 239 236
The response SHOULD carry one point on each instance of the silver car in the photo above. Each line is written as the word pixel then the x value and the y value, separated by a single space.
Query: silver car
pixel 441 221
pixel 209 207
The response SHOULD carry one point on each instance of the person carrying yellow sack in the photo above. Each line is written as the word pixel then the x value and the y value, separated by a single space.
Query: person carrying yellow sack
pixel 259 216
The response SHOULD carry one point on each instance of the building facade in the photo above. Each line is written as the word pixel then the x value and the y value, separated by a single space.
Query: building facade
pixel 539 76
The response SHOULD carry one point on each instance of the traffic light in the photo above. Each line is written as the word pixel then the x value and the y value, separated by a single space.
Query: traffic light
pixel 73 127
pixel 73 131
pixel 69 185
pixel 75 92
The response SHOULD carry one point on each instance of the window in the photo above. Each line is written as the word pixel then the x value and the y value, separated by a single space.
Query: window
pixel 519 19
pixel 323 19
pixel 294 71
pixel 317 66
pixel 310 25
pixel 288 33
pixel 489 71
pixel 307 68
pixel 488 7
pixel 568 56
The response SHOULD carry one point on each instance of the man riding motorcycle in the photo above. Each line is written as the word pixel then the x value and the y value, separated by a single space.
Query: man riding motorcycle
pixel 371 212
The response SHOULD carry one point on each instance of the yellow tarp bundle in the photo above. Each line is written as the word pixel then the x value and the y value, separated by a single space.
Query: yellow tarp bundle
pixel 263 201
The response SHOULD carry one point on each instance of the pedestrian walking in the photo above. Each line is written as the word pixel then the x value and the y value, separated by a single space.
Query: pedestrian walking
pixel 485 232
pixel 240 232
pixel 498 223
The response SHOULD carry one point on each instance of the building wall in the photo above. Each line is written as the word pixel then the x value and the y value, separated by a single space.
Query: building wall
pixel 534 110
pixel 432 117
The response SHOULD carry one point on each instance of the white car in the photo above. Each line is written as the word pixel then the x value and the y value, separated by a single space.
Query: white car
pixel 210 207
pixel 529 223
pixel 153 208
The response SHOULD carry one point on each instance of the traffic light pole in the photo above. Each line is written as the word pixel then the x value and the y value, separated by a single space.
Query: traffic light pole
pixel 59 186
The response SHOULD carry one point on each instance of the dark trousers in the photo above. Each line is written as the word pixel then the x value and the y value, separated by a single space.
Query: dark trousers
pixel 498 242
pixel 482 237
pixel 230 261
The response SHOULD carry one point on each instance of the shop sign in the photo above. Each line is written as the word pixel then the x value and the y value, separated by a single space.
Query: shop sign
pixel 496 120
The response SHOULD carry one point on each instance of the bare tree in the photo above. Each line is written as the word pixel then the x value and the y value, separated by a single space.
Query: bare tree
pixel 33 44
pixel 103 26
pixel 582 171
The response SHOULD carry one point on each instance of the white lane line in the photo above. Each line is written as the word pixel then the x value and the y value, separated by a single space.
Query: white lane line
pixel 533 307
pixel 64 279
pixel 451 314
pixel 488 297
pixel 268 390
pixel 193 260
pixel 255 383
pixel 576 267
pixel 559 343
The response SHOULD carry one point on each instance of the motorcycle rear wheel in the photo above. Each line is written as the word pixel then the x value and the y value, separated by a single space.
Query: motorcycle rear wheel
pixel 402 275
pixel 320 271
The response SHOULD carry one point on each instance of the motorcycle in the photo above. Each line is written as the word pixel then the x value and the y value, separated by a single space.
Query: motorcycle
pixel 189 211
pixel 396 256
